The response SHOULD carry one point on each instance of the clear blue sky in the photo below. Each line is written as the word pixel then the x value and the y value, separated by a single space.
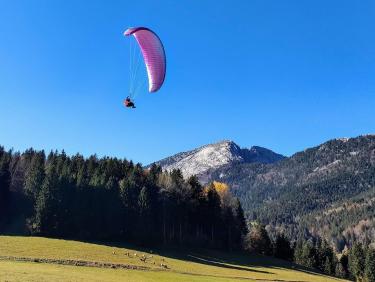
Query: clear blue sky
pixel 285 75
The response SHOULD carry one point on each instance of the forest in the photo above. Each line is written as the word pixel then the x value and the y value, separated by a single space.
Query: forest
pixel 112 199
pixel 108 199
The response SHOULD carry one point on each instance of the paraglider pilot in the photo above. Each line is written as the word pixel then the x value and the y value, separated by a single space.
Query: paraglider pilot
pixel 129 103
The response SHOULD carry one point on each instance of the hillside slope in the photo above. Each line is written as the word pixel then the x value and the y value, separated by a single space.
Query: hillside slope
pixel 326 190
pixel 42 259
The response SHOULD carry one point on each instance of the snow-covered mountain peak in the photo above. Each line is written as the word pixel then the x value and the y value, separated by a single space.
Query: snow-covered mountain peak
pixel 213 156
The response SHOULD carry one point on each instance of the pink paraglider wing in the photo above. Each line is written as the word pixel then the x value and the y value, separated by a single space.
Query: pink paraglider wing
pixel 153 55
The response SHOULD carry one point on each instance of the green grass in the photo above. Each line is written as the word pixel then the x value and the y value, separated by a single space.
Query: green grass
pixel 24 271
pixel 198 265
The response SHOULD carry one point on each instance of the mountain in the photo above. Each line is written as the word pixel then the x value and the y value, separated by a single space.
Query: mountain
pixel 328 190
pixel 205 160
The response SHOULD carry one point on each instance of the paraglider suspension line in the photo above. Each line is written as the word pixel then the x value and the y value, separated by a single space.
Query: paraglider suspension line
pixel 135 62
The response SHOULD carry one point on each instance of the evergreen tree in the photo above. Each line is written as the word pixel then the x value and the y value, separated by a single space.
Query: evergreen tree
pixel 340 270
pixel 5 179
pixel 283 249
pixel 228 221
pixel 357 261
pixel 129 195
pixel 344 260
pixel 370 265
pixel 325 257
pixel 35 175
pixel 328 266
pixel 80 170
pixel 145 221
pixel 195 188
pixel 45 219
pixel 177 177
pixel 305 254
pixel 196 208
pixel 154 173
pixel 240 218
pixel 213 210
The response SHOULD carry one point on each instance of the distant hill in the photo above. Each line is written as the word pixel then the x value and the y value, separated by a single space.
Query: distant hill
pixel 328 190
pixel 206 159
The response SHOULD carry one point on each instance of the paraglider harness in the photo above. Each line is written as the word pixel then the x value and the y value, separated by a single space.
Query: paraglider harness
pixel 129 103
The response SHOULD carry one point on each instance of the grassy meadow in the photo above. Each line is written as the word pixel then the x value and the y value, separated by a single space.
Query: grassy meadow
pixel 43 259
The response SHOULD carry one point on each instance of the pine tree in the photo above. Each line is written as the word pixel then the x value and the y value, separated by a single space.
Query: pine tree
pixel 35 175
pixel 328 266
pixel 229 222
pixel 357 261
pixel 340 270
pixel 196 188
pixel 283 249
pixel 5 179
pixel 177 177
pixel 325 258
pixel 144 203
pixel 112 184
pixel 305 254
pixel 297 256
pixel 45 219
pixel 370 265
pixel 154 173
pixel 240 218
pixel 128 198
pixel 213 205
pixel 197 199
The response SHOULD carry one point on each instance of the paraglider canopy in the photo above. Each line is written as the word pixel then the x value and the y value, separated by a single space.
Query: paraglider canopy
pixel 153 55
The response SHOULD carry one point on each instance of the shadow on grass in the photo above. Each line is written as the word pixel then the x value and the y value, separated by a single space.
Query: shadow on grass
pixel 213 262
pixel 230 260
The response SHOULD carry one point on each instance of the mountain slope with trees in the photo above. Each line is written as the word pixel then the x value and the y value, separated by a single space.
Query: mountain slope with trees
pixel 328 190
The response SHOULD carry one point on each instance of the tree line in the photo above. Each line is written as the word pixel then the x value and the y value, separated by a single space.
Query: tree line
pixel 356 263
pixel 111 199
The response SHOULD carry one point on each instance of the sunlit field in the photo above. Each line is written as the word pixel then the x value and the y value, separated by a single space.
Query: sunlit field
pixel 43 259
